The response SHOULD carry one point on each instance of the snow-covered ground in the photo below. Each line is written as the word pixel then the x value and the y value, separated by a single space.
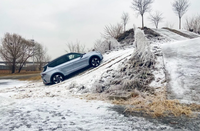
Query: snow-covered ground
pixel 35 107
pixel 32 106
pixel 69 114
pixel 6 83
pixel 182 62
pixel 191 34
pixel 169 35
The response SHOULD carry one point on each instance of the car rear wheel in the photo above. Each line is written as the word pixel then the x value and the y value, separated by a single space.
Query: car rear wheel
pixel 95 61
pixel 57 78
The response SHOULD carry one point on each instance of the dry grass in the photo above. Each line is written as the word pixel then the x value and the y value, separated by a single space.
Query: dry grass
pixel 156 106
pixel 21 73
pixel 34 78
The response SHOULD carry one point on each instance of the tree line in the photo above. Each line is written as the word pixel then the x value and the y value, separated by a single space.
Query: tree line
pixel 16 51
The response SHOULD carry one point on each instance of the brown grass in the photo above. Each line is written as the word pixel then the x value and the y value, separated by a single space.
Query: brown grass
pixel 21 73
pixel 34 78
pixel 156 106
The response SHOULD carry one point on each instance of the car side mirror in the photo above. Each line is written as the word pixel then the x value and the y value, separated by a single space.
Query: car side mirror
pixel 82 55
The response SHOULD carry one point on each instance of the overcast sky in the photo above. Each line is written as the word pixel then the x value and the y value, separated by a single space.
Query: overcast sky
pixel 54 23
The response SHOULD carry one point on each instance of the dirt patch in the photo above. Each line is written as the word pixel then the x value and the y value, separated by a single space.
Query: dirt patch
pixel 35 76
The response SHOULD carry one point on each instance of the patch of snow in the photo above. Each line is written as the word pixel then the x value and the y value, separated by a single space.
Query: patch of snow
pixel 182 62
pixel 69 114
pixel 8 83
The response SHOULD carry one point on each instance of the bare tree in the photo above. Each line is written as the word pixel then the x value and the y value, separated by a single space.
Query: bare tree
pixel 113 31
pixel 75 47
pixel 15 50
pixel 142 6
pixel 156 18
pixel 125 18
pixel 40 55
pixel 106 45
pixel 26 52
pixel 180 7
pixel 193 24
pixel 169 25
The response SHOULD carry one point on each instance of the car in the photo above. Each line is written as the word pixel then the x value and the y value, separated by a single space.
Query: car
pixel 57 70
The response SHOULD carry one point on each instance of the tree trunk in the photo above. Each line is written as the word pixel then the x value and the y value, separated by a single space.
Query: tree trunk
pixel 180 23
pixel 109 45
pixel 142 21
pixel 20 68
pixel 13 66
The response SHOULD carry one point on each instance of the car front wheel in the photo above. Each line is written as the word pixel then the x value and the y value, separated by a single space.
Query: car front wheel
pixel 95 61
pixel 57 78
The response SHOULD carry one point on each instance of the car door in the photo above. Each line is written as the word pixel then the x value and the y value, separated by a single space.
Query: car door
pixel 76 62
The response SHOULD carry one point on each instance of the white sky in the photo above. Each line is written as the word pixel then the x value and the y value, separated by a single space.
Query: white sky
pixel 54 23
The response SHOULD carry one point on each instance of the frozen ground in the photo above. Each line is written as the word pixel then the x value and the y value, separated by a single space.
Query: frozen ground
pixel 182 62
pixel 35 107
pixel 6 83
pixel 69 114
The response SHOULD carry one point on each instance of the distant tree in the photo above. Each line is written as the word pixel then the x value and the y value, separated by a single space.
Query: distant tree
pixel 75 47
pixel 40 55
pixel 193 24
pixel 113 31
pixel 125 19
pixel 106 45
pixel 156 18
pixel 169 25
pixel 15 50
pixel 27 49
pixel 142 6
pixel 180 7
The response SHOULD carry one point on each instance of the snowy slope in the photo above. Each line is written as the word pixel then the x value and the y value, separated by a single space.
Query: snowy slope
pixel 34 106
pixel 182 62
pixel 192 34
pixel 169 35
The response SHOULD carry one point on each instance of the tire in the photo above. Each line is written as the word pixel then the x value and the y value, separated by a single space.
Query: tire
pixel 95 61
pixel 57 78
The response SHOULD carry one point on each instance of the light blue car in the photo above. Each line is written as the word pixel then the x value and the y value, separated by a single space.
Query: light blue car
pixel 56 70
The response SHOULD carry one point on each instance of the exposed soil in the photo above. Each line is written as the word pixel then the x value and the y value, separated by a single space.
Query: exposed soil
pixel 20 76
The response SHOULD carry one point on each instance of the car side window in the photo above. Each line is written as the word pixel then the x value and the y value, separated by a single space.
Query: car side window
pixel 61 60
pixel 73 56
pixel 58 62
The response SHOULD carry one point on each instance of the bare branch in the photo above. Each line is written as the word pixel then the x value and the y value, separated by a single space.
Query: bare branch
pixel 193 24
pixel 113 31
pixel 180 7
pixel 15 50
pixel 142 6
pixel 156 18
pixel 125 18
pixel 75 47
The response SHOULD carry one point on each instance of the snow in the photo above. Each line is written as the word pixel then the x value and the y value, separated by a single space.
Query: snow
pixel 182 62
pixel 110 60
pixel 6 83
pixel 71 114
pixel 191 34
pixel 169 35
pixel 32 106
